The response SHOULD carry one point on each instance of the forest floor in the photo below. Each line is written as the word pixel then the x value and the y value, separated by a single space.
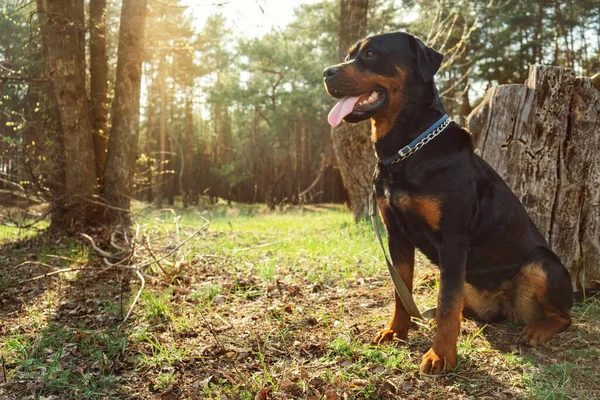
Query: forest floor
pixel 255 305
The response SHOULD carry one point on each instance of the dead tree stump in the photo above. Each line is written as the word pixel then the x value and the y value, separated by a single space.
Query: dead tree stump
pixel 543 138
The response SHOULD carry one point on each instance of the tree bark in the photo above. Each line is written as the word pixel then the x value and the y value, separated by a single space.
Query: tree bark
pixel 542 138
pixel 122 145
pixel 188 148
pixel 99 82
pixel 351 142
pixel 161 181
pixel 151 162
pixel 63 32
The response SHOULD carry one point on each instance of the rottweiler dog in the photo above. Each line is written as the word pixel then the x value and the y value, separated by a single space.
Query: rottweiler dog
pixel 447 202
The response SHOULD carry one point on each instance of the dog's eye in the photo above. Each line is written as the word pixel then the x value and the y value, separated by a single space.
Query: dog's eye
pixel 370 54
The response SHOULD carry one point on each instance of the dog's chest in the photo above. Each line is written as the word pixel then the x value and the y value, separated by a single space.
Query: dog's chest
pixel 416 215
pixel 410 208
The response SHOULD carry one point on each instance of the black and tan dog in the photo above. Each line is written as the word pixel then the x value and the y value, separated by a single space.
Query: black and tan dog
pixel 447 202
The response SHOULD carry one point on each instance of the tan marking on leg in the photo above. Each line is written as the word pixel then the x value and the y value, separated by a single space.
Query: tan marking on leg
pixel 400 321
pixel 530 306
pixel 485 304
pixel 540 331
pixel 442 355
pixel 528 288
pixel 383 206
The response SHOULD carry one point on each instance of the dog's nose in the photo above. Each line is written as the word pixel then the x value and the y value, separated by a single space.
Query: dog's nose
pixel 329 72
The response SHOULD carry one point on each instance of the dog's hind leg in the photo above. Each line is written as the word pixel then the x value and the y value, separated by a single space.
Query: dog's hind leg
pixel 543 297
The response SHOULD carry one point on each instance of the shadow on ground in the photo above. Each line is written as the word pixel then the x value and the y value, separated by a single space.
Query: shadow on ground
pixel 59 333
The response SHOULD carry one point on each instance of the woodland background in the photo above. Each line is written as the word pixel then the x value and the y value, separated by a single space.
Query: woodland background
pixel 224 116
pixel 135 114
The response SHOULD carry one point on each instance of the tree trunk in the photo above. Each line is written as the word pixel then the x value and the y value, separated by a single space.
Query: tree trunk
pixel 188 148
pixel 63 31
pixel 162 133
pixel 99 82
pixel 351 142
pixel 542 138
pixel 122 145
pixel 150 160
pixel 172 152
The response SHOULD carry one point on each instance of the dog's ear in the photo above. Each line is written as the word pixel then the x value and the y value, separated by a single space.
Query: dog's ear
pixel 427 60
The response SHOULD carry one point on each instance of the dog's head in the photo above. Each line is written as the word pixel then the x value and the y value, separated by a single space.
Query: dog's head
pixel 380 74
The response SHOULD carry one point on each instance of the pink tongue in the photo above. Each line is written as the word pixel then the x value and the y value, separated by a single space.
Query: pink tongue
pixel 341 109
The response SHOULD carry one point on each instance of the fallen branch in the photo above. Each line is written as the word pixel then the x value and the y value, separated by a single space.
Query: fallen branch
pixel 59 271
pixel 98 249
pixel 256 247
pixel 138 269
pixel 312 185
pixel 153 256
pixel 137 297
pixel 36 263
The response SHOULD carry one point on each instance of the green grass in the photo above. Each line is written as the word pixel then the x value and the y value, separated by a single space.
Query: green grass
pixel 588 309
pixel 161 353
pixel 13 233
pixel 361 354
pixel 282 302
pixel 156 307
pixel 79 362
pixel 164 380
pixel 206 293
pixel 324 238
pixel 552 382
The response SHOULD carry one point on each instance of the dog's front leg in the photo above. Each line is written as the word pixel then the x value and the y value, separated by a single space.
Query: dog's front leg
pixel 442 355
pixel 403 258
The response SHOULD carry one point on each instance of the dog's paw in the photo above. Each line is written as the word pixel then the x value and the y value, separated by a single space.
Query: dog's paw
pixel 435 363
pixel 387 335
pixel 534 334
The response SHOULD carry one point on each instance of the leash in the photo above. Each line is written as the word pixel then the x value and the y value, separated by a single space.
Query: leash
pixel 402 290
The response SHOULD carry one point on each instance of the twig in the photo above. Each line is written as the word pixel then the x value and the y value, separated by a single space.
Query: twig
pixel 140 267
pixel 176 218
pixel 31 224
pixel 256 247
pixel 312 185
pixel 153 256
pixel 59 257
pixel 174 249
pixel 37 263
pixel 60 271
pixel 214 335
pixel 113 242
pixel 224 320
pixel 98 249
pixel 137 296
pixel 2 363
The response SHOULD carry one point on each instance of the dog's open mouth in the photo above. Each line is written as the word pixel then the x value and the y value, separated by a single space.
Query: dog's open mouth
pixel 356 105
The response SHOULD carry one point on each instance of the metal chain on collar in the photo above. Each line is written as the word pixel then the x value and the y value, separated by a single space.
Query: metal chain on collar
pixel 423 142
